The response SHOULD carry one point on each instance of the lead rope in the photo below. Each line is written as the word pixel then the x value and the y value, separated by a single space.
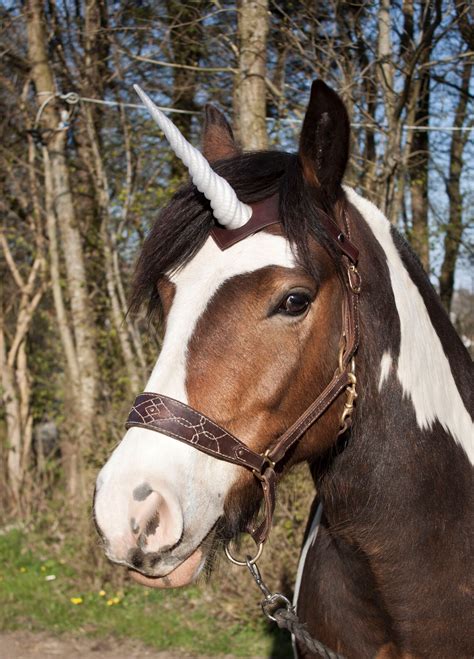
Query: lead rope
pixel 285 616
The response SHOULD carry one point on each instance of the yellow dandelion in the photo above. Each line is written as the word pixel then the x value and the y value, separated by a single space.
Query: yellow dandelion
pixel 43 568
pixel 23 569
pixel 110 602
pixel 76 600
pixel 102 593
pixel 116 600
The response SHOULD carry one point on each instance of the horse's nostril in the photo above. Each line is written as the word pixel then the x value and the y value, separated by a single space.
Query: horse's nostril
pixel 142 541
pixel 155 521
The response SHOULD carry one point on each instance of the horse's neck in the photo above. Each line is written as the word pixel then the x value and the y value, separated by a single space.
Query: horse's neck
pixel 411 449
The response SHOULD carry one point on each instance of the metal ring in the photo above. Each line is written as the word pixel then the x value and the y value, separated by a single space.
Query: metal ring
pixel 270 605
pixel 248 561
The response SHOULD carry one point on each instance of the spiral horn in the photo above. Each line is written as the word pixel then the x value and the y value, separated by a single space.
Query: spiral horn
pixel 226 207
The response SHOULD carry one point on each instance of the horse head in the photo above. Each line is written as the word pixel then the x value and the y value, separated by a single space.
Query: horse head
pixel 248 269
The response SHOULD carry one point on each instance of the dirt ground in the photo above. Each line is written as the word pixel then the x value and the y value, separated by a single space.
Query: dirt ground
pixel 28 645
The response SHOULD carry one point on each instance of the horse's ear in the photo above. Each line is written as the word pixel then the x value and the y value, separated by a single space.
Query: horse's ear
pixel 324 141
pixel 218 139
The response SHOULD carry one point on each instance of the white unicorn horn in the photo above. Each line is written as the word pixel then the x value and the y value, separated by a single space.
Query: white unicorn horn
pixel 227 209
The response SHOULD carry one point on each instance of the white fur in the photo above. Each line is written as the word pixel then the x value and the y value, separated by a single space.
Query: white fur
pixel 198 481
pixel 385 367
pixel 423 368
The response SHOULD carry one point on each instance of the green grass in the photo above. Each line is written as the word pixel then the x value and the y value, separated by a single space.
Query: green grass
pixel 31 599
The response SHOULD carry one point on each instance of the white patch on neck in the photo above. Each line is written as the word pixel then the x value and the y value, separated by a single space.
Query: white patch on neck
pixel 423 368
pixel 385 367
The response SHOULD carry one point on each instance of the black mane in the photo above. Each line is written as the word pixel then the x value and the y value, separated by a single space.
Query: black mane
pixel 182 227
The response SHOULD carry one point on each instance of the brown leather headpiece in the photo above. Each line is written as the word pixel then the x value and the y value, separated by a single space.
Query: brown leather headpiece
pixel 264 213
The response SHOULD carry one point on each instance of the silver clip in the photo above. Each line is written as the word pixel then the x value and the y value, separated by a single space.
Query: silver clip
pixel 271 601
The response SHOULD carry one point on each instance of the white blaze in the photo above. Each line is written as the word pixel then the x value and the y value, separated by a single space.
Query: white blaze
pixel 385 367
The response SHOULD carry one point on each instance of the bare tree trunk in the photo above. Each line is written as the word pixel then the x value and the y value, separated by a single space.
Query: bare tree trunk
pixel 15 386
pixel 250 84
pixel 386 70
pixel 418 171
pixel 65 333
pixel 186 44
pixel 396 101
pixel 81 316
pixel 454 230
pixel 13 422
pixel 418 115
pixel 103 197
pixel 368 180
pixel 24 388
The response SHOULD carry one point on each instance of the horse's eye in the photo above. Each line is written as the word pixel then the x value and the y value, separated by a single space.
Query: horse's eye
pixel 295 304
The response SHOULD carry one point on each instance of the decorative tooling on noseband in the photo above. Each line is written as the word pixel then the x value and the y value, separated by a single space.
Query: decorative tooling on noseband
pixel 180 421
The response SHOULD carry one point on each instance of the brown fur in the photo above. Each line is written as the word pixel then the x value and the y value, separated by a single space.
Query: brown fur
pixel 218 139
pixel 166 290
pixel 389 651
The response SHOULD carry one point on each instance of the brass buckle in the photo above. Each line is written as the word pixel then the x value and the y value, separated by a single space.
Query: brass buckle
pixel 351 393
pixel 354 279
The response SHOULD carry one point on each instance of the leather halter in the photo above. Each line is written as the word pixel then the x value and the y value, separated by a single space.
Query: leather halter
pixel 171 417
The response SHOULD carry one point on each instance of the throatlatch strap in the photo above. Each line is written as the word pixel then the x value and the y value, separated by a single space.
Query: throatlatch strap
pixel 310 416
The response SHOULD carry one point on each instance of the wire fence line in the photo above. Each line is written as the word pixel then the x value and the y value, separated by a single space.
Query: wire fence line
pixel 72 98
